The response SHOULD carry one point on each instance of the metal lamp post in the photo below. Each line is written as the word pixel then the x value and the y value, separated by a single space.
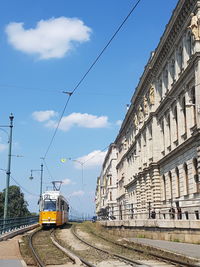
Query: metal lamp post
pixel 11 117
pixel 41 177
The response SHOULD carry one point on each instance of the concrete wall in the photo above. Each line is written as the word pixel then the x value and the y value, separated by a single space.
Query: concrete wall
pixel 171 230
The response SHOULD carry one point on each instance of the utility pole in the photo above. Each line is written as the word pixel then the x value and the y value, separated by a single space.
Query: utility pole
pixel 41 176
pixel 11 117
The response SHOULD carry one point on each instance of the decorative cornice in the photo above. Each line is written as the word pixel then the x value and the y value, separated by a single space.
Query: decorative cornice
pixel 168 40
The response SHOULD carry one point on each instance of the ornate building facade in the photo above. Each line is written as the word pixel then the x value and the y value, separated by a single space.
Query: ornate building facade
pixel 158 145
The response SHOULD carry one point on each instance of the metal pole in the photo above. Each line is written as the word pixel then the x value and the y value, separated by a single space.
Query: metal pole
pixel 41 181
pixel 8 168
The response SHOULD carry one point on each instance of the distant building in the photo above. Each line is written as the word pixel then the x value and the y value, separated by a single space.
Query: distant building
pixel 158 145
pixel 106 191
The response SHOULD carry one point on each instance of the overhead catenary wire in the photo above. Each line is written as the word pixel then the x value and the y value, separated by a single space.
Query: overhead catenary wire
pixel 24 189
pixel 86 73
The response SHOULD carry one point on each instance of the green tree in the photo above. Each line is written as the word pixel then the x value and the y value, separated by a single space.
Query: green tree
pixel 17 206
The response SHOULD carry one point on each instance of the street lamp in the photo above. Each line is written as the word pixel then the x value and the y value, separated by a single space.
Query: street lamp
pixel 11 117
pixel 41 177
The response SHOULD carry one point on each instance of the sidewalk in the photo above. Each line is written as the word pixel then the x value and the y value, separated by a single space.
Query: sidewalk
pixel 185 249
pixel 9 253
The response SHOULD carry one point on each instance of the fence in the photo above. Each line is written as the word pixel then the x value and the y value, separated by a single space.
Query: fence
pixel 12 224
pixel 167 210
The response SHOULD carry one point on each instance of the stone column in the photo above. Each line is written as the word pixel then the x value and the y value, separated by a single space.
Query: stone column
pixel 138 196
pixel 156 186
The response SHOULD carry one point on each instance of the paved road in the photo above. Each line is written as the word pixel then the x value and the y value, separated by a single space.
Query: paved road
pixel 186 249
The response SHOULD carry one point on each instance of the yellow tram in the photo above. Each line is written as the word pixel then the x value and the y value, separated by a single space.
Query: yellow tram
pixel 54 209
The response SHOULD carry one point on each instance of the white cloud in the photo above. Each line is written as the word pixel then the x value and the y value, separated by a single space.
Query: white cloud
pixel 3 147
pixel 81 120
pixel 119 122
pixel 92 160
pixel 77 193
pixel 66 181
pixel 52 38
pixel 43 115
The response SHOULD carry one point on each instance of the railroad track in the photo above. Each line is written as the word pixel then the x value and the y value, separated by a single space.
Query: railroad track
pixel 78 261
pixel 165 259
pixel 121 258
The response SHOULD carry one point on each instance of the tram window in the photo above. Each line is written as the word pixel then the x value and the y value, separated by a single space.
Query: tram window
pixel 49 205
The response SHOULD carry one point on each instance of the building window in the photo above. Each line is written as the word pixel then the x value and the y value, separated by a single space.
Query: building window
pixel 160 88
pixel 170 182
pixel 185 167
pixel 110 196
pixel 189 45
pixel 172 70
pixel 169 128
pixel 180 58
pixel 196 175
pixel 110 180
pixel 184 115
pixel 178 181
pixel 176 121
pixel 193 100
pixel 166 81
pixel 164 188
pixel 163 133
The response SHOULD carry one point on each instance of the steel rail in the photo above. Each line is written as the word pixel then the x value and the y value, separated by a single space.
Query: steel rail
pixel 56 240
pixel 35 255
pixel 159 257
pixel 127 260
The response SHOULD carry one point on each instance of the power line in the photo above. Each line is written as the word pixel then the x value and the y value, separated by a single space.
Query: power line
pixel 103 50
pixel 47 168
pixel 23 188
pixel 87 72
pixel 95 154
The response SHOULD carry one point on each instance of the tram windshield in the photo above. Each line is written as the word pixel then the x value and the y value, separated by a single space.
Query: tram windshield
pixel 49 205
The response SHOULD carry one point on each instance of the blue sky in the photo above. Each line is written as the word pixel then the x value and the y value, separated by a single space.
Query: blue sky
pixel 45 49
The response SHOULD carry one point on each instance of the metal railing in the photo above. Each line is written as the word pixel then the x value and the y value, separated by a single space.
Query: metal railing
pixel 166 210
pixel 12 224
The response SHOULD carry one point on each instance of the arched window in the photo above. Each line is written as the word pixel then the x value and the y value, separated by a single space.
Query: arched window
pixel 196 175
pixel 178 181
pixel 170 183
pixel 164 188
pixel 185 167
